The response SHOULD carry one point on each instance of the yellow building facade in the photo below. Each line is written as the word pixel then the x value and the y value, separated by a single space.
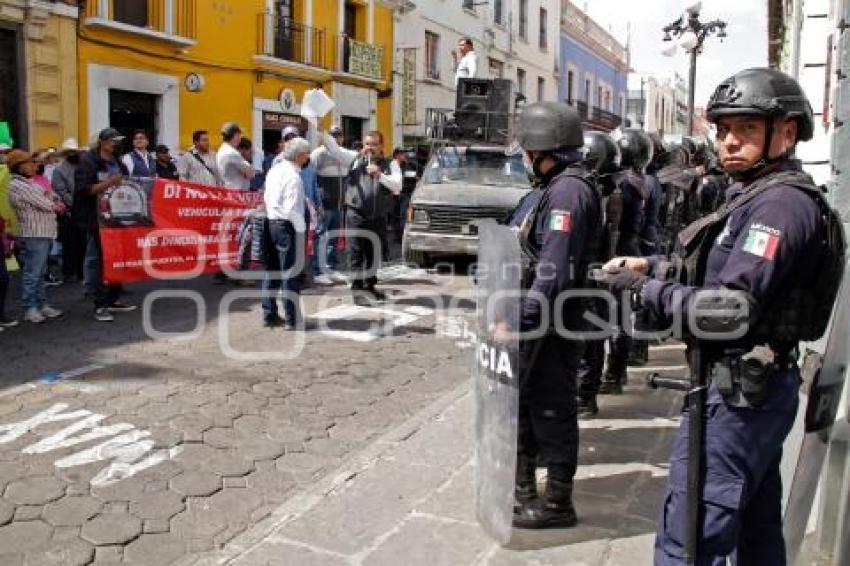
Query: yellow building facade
pixel 171 67
pixel 38 71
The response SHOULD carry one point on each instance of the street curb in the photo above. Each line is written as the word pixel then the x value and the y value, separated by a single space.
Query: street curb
pixel 333 481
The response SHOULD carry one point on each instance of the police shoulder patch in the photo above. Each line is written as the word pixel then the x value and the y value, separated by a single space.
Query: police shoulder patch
pixel 561 221
pixel 762 241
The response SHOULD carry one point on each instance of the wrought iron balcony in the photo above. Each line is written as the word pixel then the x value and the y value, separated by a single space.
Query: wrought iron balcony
pixel 288 40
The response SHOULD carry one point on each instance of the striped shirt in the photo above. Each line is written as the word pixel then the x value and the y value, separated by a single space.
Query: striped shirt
pixel 34 209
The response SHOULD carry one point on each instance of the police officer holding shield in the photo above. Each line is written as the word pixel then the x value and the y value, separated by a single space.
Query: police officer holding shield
pixel 769 258
pixel 558 227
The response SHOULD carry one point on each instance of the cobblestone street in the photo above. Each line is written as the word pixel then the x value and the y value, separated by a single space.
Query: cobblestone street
pixel 171 448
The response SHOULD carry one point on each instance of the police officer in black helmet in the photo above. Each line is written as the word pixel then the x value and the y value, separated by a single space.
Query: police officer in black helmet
pixel 775 244
pixel 636 155
pixel 602 161
pixel 558 230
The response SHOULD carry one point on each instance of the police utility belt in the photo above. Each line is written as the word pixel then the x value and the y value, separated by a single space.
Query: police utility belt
pixel 742 377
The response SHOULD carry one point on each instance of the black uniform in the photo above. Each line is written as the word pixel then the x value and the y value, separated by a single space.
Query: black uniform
pixel 559 221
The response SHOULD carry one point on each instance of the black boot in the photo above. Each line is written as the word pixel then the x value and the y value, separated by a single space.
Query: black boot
pixel 587 407
pixel 610 386
pixel 639 353
pixel 553 510
pixel 525 489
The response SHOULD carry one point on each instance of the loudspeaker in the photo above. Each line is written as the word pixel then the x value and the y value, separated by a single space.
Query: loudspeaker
pixel 483 109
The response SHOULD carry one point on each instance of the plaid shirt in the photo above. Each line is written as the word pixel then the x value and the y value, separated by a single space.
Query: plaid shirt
pixel 34 209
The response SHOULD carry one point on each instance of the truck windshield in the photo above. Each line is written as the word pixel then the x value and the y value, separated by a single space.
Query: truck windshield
pixel 475 167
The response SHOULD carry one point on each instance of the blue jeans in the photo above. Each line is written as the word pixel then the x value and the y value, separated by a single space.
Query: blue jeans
pixel 283 247
pixel 103 295
pixel 741 502
pixel 403 205
pixel 332 221
pixel 36 254
pixel 4 283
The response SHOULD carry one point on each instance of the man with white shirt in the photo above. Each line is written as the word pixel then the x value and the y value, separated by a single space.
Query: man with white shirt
pixel 370 179
pixel 235 171
pixel 467 67
pixel 139 162
pixel 331 170
pixel 285 211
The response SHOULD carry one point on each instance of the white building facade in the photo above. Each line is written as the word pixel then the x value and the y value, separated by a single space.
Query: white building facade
pixel 513 39
pixel 659 104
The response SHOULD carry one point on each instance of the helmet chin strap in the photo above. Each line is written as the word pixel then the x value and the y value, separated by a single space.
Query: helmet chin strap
pixel 758 168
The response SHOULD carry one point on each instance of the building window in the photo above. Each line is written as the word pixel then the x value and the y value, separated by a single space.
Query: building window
pixel 469 5
pixel 498 15
pixel 544 35
pixel 541 89
pixel 571 77
pixel 520 81
pixel 432 56
pixel 608 100
pixel 497 69
pixel 131 12
pixel 587 92
pixel 523 19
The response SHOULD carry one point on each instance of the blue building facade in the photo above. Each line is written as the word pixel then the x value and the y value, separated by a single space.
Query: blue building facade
pixel 594 70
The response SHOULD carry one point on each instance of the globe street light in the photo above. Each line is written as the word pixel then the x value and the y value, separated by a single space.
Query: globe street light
pixel 692 33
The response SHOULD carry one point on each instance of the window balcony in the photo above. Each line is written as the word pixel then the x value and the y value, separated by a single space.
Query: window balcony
pixel 287 40
pixel 169 21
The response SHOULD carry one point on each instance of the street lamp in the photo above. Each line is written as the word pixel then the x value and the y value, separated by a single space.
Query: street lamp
pixel 693 33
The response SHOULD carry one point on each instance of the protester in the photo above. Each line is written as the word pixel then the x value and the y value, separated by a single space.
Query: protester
pixel 236 171
pixel 467 66
pixel 331 171
pixel 371 176
pixel 165 167
pixel 5 253
pixel 139 162
pixel 246 150
pixel 72 238
pixel 36 212
pixel 285 208
pixel 198 165
pixel 98 172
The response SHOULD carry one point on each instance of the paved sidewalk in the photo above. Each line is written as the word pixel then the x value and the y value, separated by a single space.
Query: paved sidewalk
pixel 408 498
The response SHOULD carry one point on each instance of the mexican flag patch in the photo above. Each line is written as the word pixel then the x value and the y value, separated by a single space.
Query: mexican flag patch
pixel 561 221
pixel 762 241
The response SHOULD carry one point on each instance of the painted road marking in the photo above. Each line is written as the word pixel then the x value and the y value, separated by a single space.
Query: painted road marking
pixel 626 424
pixel 668 348
pixel 53 377
pixel 597 471
pixel 129 452
pixel 652 369
pixel 390 320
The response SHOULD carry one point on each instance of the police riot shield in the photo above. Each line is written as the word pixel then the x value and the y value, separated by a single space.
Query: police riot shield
pixel 824 375
pixel 497 374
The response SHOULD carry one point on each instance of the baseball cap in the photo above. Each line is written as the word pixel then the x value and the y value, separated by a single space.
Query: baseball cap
pixel 290 132
pixel 108 134
pixel 5 147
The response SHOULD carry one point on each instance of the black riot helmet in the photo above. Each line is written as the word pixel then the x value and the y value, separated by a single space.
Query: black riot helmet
pixel 768 93
pixel 659 151
pixel 635 149
pixel 601 154
pixel 549 126
pixel 763 92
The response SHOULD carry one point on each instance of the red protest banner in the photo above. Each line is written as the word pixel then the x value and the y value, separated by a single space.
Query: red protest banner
pixel 158 229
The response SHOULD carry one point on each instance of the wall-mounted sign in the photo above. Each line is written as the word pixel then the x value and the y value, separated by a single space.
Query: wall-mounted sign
pixel 365 59
pixel 194 82
pixel 408 87
pixel 278 121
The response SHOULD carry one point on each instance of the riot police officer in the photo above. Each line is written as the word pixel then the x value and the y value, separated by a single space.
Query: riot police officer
pixel 769 246
pixel 558 227
pixel 602 161
pixel 635 155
